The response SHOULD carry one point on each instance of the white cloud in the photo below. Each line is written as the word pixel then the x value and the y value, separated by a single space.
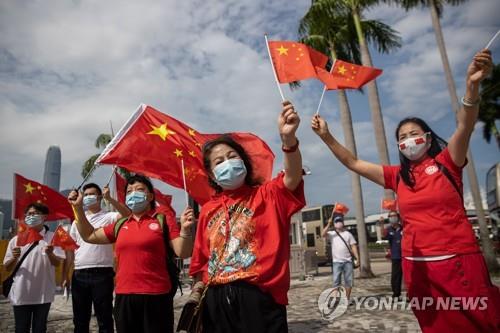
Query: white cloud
pixel 68 68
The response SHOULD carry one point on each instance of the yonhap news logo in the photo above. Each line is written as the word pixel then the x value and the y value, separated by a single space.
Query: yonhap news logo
pixel 333 303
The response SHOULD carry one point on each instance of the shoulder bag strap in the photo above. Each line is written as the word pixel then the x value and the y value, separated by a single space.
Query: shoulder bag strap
pixel 347 245
pixel 23 257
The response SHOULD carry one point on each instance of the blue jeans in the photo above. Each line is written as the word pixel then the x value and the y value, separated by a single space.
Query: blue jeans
pixel 93 285
pixel 33 315
pixel 346 268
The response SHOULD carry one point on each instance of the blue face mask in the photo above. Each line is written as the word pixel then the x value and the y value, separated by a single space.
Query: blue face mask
pixel 230 174
pixel 89 200
pixel 136 201
pixel 33 220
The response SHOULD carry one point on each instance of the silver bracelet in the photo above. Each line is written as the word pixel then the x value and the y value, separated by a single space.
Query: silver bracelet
pixel 467 102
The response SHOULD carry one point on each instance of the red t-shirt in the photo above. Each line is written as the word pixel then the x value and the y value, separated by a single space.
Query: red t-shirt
pixel 434 219
pixel 141 255
pixel 255 245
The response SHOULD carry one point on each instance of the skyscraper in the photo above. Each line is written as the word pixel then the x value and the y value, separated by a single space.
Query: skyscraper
pixel 52 172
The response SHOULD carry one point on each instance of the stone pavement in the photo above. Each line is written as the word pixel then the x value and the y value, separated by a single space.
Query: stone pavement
pixel 303 312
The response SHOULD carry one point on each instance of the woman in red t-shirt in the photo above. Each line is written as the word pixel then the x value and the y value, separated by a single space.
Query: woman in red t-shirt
pixel 242 247
pixel 442 263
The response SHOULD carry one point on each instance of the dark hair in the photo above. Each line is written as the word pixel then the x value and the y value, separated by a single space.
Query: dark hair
pixel 137 178
pixel 39 207
pixel 227 140
pixel 393 211
pixel 437 145
pixel 92 185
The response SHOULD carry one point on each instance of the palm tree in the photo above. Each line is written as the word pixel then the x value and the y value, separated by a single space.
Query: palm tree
pixel 436 9
pixel 100 143
pixel 356 8
pixel 489 108
pixel 331 30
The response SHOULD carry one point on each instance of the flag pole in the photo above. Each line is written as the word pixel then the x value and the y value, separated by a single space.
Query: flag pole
pixel 491 40
pixel 324 89
pixel 87 176
pixel 111 176
pixel 274 70
pixel 184 181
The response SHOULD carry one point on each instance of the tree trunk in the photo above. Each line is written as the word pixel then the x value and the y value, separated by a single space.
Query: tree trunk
pixel 488 250
pixel 373 99
pixel 365 270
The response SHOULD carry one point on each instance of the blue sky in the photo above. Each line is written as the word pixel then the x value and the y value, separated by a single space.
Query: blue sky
pixel 69 68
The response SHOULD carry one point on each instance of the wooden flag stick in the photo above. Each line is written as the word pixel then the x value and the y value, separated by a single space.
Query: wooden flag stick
pixel 274 69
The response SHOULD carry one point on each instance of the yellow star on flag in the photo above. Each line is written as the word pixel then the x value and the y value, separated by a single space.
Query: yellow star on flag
pixel 192 132
pixel 342 70
pixel 161 131
pixel 192 153
pixel 178 152
pixel 282 50
pixel 29 188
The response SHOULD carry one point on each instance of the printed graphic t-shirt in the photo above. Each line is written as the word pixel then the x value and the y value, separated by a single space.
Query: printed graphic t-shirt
pixel 244 235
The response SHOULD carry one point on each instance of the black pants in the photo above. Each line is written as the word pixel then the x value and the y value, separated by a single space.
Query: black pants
pixel 396 277
pixel 136 313
pixel 242 307
pixel 93 286
pixel 32 316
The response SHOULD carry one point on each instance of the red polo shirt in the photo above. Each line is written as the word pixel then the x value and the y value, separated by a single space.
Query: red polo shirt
pixel 254 246
pixel 434 219
pixel 141 255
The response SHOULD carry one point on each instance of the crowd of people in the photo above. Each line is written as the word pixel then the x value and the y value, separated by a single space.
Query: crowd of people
pixel 240 252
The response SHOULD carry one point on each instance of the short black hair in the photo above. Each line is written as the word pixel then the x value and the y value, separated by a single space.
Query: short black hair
pixel 39 207
pixel 92 185
pixel 226 139
pixel 137 178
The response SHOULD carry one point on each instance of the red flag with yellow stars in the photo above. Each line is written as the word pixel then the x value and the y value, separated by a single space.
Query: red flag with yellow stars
pixel 340 208
pixel 27 191
pixel 153 143
pixel 389 204
pixel 351 76
pixel 26 235
pixel 295 61
pixel 63 240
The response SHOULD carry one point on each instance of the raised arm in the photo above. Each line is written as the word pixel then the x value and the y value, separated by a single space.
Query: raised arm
pixel 288 122
pixel 327 227
pixel 86 230
pixel 372 171
pixel 121 208
pixel 478 70
pixel 183 245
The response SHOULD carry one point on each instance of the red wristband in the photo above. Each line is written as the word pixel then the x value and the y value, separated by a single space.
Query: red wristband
pixel 291 149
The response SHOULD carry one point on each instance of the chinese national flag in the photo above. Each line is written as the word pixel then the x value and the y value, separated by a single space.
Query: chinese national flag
pixel 350 76
pixel 163 201
pixel 340 208
pixel 389 204
pixel 26 235
pixel 153 143
pixel 63 240
pixel 295 61
pixel 27 191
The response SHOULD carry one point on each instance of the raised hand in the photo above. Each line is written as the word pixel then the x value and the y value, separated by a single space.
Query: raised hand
pixel 480 67
pixel 288 122
pixel 319 126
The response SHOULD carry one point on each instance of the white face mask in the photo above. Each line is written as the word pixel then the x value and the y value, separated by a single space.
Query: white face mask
pixel 393 219
pixel 414 148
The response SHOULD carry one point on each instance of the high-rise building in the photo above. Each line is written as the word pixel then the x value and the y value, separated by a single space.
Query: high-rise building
pixel 52 172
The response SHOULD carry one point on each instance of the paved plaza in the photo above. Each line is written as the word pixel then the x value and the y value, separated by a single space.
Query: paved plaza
pixel 303 312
